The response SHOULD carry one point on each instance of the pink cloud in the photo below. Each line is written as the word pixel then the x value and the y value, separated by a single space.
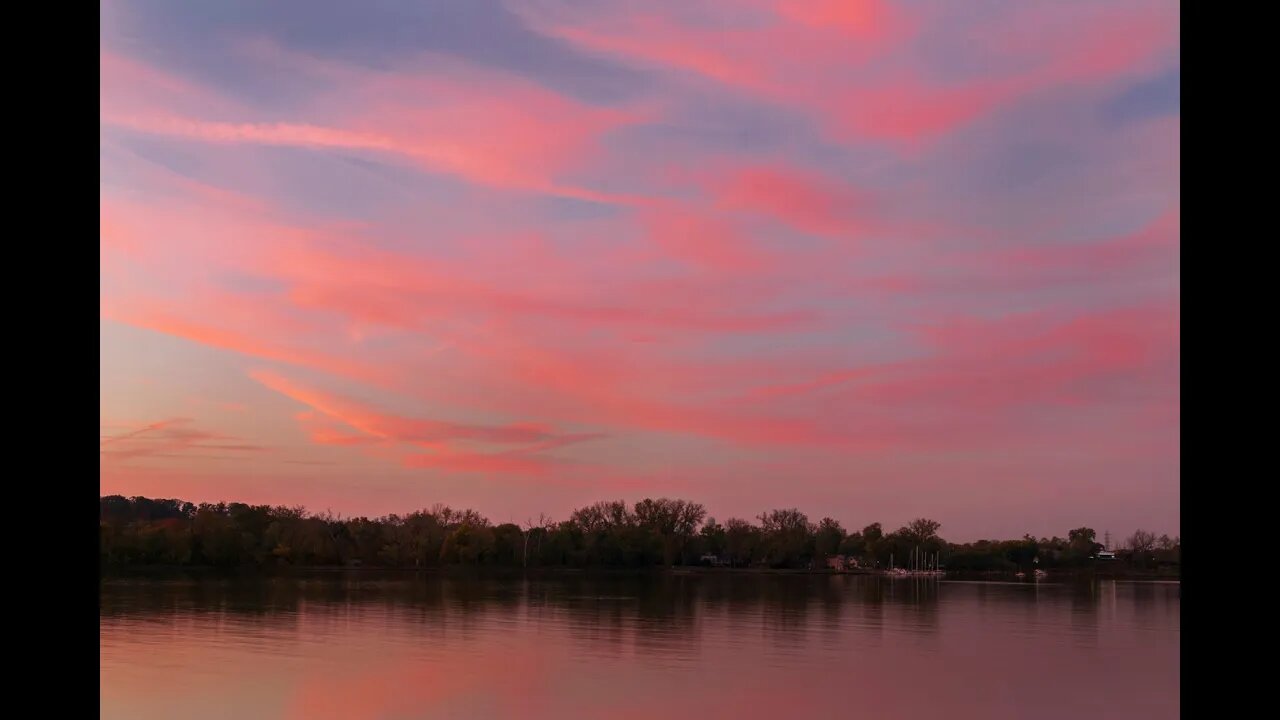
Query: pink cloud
pixel 795 274
pixel 439 437
pixel 804 200
pixel 704 239
pixel 239 342
pixel 1031 359
pixel 390 427
pixel 821 56
pixel 171 438
pixel 484 127
pixel 909 110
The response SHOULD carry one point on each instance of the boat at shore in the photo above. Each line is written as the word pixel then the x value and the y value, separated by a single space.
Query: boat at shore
pixel 903 572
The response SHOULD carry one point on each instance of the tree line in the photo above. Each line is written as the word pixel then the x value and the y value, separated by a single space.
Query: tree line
pixel 139 531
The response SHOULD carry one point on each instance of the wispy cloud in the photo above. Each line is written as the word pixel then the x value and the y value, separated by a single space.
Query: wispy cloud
pixel 439 437
pixel 806 248
pixel 172 438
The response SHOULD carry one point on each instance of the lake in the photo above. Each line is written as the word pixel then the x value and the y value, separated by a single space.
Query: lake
pixel 363 645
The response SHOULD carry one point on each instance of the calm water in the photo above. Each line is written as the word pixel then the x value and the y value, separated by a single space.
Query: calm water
pixel 741 646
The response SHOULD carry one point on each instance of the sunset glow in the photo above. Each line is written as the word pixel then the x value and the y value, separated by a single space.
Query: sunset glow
pixel 873 260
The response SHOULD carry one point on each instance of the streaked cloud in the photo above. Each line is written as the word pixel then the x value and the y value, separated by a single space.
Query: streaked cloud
pixel 510 254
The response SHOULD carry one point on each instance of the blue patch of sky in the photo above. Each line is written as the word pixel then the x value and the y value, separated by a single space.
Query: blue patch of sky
pixel 1153 97
pixel 196 40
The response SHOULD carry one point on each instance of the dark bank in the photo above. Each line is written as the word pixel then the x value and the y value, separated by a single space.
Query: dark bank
pixel 651 535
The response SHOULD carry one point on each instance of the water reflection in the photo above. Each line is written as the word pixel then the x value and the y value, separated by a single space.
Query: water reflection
pixel 395 646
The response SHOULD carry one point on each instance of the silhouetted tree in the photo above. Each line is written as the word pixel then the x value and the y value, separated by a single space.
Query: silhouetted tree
pixel 468 543
pixel 787 537
pixel 742 541
pixel 145 531
pixel 1141 545
pixel 714 538
pixel 872 535
pixel 920 531
pixel 827 539
pixel 673 521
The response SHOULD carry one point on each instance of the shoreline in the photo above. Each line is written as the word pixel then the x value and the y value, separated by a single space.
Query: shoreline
pixel 490 571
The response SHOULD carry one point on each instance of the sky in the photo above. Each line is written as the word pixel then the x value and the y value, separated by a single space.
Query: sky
pixel 874 260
